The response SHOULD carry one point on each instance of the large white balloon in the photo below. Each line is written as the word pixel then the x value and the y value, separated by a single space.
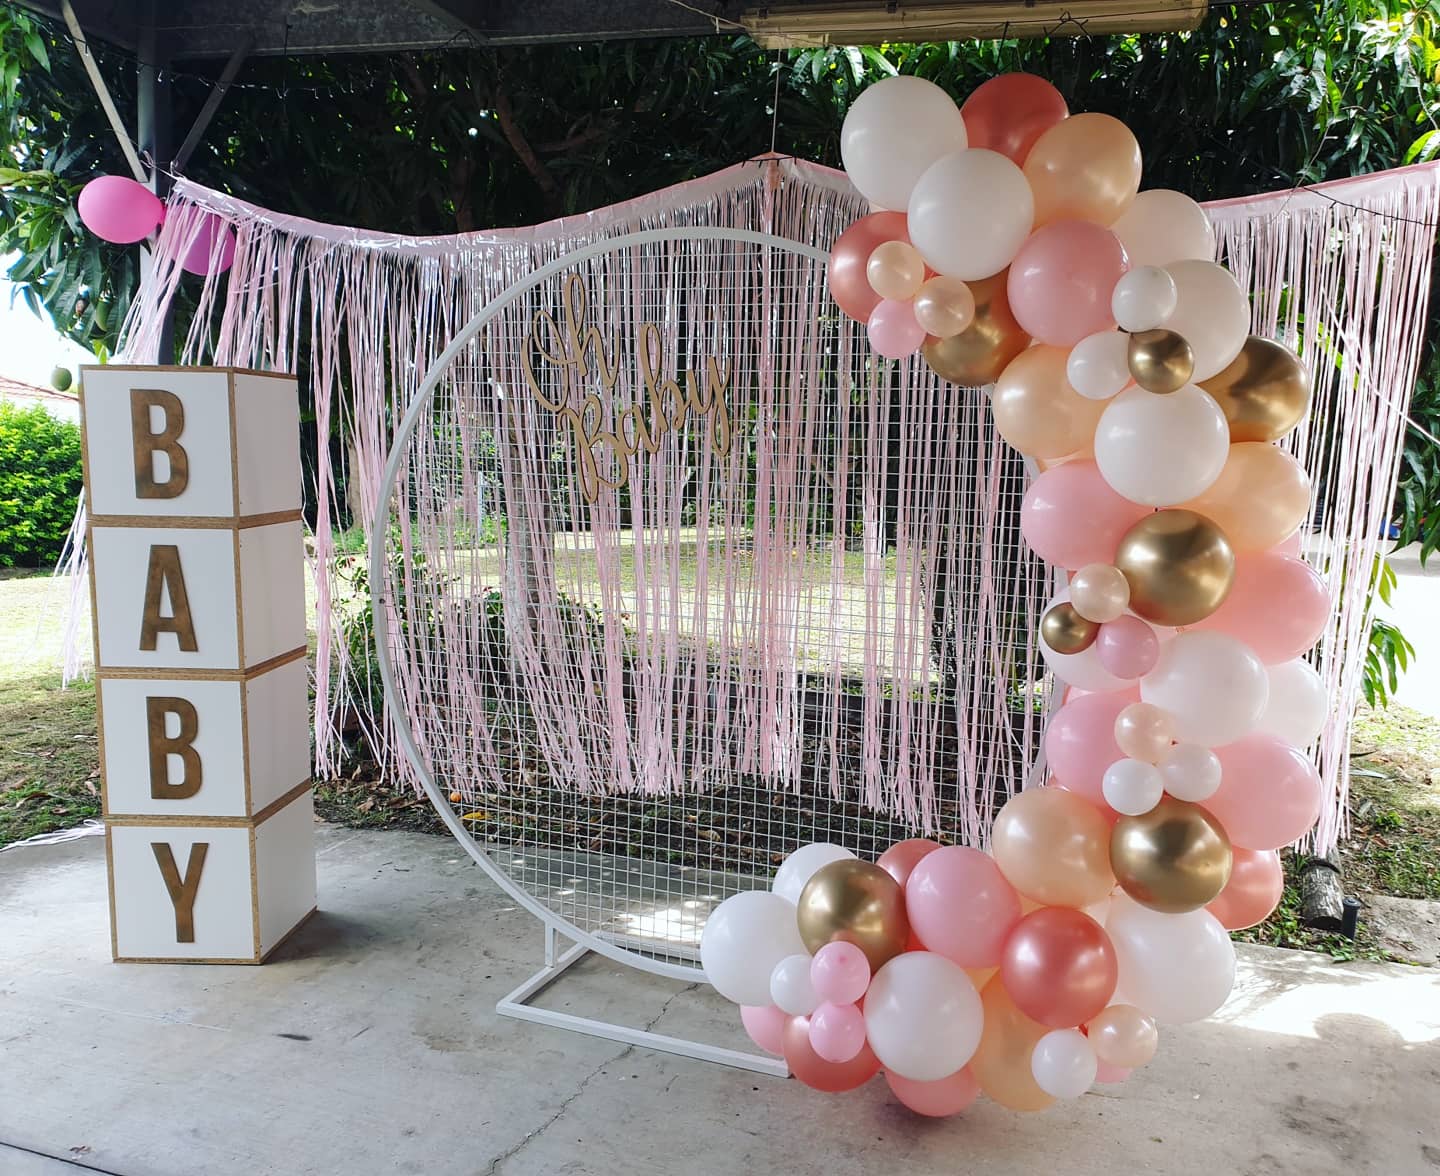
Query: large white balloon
pixel 744 938
pixel 1064 1064
pixel 923 1016
pixel 796 870
pixel 1162 226
pixel 894 131
pixel 1098 366
pixel 1298 703
pixel 790 987
pixel 1211 312
pixel 1084 669
pixel 1177 968
pixel 970 213
pixel 1214 686
pixel 1161 450
pixel 1143 298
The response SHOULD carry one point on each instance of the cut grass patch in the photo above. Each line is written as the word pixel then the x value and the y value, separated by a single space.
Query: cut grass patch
pixel 49 756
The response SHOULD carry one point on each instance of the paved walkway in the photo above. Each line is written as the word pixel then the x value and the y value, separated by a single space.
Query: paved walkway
pixel 371 1046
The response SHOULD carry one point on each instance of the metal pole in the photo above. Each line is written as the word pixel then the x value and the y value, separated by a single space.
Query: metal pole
pixel 154 133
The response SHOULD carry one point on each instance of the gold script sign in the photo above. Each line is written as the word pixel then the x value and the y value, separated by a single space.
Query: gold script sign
pixel 578 352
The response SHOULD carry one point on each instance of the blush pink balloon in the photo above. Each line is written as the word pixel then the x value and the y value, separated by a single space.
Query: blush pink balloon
pixel 813 1070
pixel 1257 880
pixel 849 285
pixel 1059 967
pixel 840 973
pixel 1290 545
pixel 944 1096
pixel 960 905
pixel 900 858
pixel 1061 281
pixel 1071 516
pixel 837 1032
pixel 766 1026
pixel 1008 113
pixel 1080 742
pixel 204 256
pixel 1110 1075
pixel 1127 647
pixel 119 210
pixel 1269 792
pixel 893 329
pixel 1278 605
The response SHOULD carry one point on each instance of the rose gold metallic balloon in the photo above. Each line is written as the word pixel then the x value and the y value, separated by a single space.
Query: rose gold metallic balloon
pixel 813 1070
pixel 1179 564
pixel 1002 1061
pixel 1053 847
pixel 944 306
pixel 895 270
pixel 1174 858
pixel 1066 631
pixel 979 353
pixel 856 902
pixel 1059 967
pixel 901 858
pixel 1160 361
pixel 1264 393
pixel 1261 496
pixel 1123 1036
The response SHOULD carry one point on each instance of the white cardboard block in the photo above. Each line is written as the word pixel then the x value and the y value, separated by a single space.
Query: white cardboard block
pixel 285 869
pixel 272 590
pixel 267 431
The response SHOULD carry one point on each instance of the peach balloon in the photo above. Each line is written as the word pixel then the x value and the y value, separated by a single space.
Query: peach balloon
pixel 1278 605
pixel 1257 880
pixel 895 270
pixel 1084 168
pixel 850 257
pixel 1010 112
pixel 1260 498
pixel 1123 1036
pixel 1001 1064
pixel 1035 408
pixel 813 1070
pixel 1062 280
pixel 944 306
pixel 1099 592
pixel 1144 732
pixel 1053 846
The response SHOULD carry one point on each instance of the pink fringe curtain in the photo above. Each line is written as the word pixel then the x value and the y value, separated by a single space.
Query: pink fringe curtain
pixel 1341 272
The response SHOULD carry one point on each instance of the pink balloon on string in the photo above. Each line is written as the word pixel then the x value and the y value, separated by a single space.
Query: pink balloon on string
pixel 1127 647
pixel 119 210
pixel 1278 605
pixel 894 330
pixel 1061 281
pixel 1071 517
pixel 204 256
pixel 849 285
pixel 944 1096
pixel 1008 113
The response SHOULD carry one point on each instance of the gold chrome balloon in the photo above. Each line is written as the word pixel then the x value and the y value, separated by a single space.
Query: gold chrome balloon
pixel 1174 858
pixel 979 353
pixel 1264 393
pixel 1066 631
pixel 855 902
pixel 1179 565
pixel 1160 361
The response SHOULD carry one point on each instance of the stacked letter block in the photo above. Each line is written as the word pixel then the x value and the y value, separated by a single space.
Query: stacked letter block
pixel 197 579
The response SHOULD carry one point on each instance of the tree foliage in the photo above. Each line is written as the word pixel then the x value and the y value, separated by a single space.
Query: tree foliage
pixel 39 482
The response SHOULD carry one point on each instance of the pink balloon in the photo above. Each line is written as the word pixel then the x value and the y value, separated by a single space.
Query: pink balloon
pixel 894 330
pixel 837 1032
pixel 1110 1075
pixel 1127 647
pixel 1257 880
pixel 840 973
pixel 1008 113
pixel 944 1096
pixel 119 210
pixel 1290 545
pixel 900 858
pixel 1059 967
pixel 960 905
pixel 851 254
pixel 1061 281
pixel 203 257
pixel 1071 517
pixel 1080 742
pixel 1278 606
pixel 766 1026
pixel 1269 792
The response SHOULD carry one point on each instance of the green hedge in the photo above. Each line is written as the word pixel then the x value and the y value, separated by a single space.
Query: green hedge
pixel 40 480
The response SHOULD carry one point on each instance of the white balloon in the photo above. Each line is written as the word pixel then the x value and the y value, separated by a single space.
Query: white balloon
pixel 1176 968
pixel 1214 686
pixel 1099 365
pixel 1162 226
pixel 923 1016
pixel 1190 772
pixel 1084 669
pixel 790 986
pixel 800 866
pixel 1298 704
pixel 1143 298
pixel 1132 786
pixel 1211 312
pixel 1064 1063
pixel 970 213
pixel 894 131
pixel 744 938
pixel 1161 450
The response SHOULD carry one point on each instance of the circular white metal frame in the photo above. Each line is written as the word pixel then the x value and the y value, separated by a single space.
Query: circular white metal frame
pixel 378 579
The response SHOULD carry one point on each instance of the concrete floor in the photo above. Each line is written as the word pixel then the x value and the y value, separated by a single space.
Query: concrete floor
pixel 371 1046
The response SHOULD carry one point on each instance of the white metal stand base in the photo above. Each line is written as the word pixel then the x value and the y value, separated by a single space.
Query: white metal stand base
pixel 516 1004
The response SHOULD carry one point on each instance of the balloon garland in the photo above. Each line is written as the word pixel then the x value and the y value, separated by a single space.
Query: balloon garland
pixel 1010 246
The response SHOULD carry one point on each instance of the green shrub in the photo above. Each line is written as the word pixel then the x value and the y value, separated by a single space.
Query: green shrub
pixel 40 479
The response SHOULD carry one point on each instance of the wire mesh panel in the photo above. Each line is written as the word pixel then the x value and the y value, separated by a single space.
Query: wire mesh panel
pixel 676 576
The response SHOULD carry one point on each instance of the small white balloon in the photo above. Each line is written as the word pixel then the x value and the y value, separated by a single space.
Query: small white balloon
pixel 797 869
pixel 1084 669
pixel 923 1016
pixel 1298 704
pixel 744 938
pixel 1143 299
pixel 1161 450
pixel 790 987
pixel 896 129
pixel 970 213
pixel 1214 686
pixel 1211 312
pixel 1099 365
pixel 1190 772
pixel 1175 967
pixel 1162 226
pixel 1064 1064
pixel 1132 786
